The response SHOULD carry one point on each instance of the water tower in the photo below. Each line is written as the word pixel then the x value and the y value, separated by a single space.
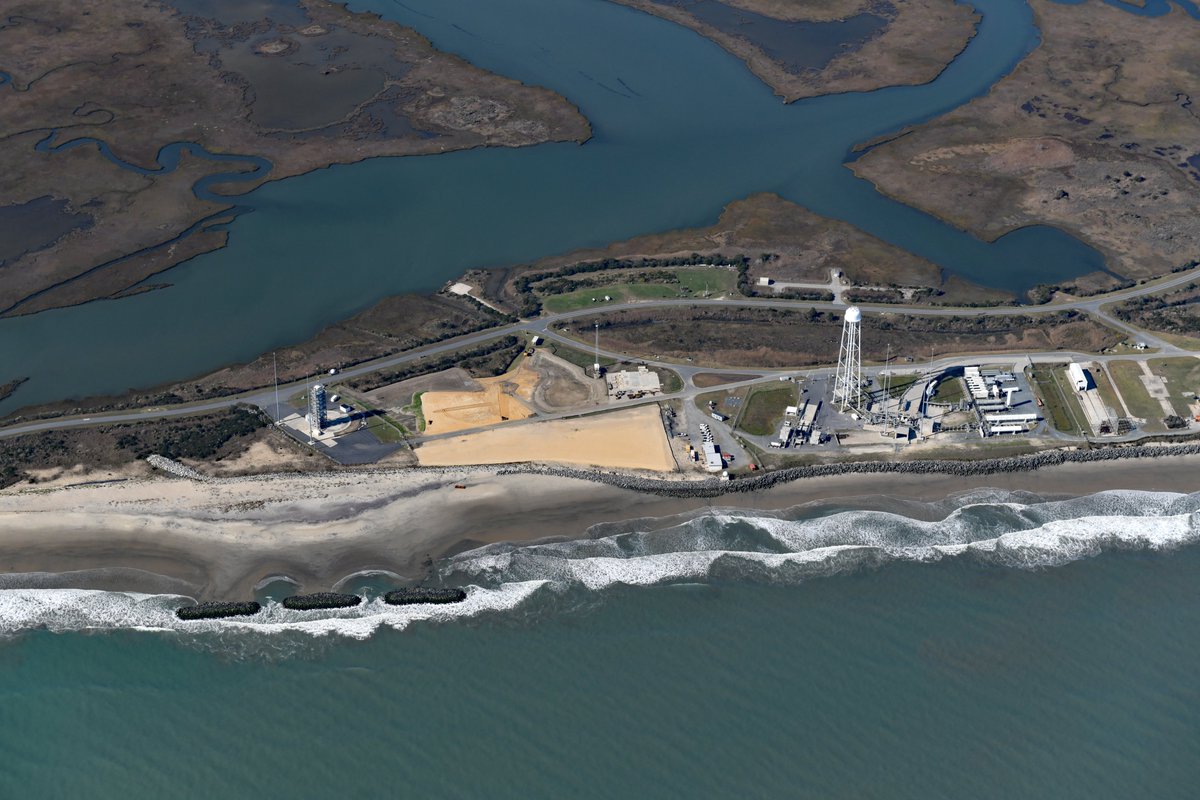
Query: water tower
pixel 847 383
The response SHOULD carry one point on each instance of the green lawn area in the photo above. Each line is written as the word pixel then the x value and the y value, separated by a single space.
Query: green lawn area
pixel 692 283
pixel 671 382
pixel 949 390
pixel 1127 376
pixel 723 400
pixel 897 385
pixel 380 425
pixel 578 357
pixel 764 410
pixel 1182 376
pixel 1107 394
pixel 415 409
pixel 1062 407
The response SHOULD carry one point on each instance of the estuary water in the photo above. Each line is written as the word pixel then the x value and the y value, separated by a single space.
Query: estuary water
pixel 992 645
pixel 681 129
pixel 988 646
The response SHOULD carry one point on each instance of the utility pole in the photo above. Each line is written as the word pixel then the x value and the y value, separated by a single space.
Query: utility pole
pixel 275 367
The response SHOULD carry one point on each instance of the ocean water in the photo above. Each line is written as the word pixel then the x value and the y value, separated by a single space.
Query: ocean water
pixel 992 646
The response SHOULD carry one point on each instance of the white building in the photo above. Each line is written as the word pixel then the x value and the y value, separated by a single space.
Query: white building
pixel 1078 376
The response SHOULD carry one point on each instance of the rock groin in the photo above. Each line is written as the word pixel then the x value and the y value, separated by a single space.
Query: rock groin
pixel 312 602
pixel 421 594
pixel 218 610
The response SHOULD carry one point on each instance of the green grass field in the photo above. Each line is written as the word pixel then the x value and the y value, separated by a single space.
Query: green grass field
pixel 380 425
pixel 1182 377
pixel 692 283
pixel 1105 387
pixel 1127 376
pixel 722 399
pixel 949 391
pixel 1062 407
pixel 578 357
pixel 764 410
pixel 415 409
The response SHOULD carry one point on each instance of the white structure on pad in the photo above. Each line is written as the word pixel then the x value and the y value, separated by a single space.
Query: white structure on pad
pixel 1078 376
pixel 847 383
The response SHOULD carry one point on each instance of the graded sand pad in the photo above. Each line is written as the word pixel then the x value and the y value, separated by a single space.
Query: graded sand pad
pixel 500 401
pixel 455 411
pixel 633 439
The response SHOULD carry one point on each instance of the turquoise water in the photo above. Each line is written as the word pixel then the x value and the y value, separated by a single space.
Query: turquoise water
pixel 1059 663
pixel 989 646
pixel 681 129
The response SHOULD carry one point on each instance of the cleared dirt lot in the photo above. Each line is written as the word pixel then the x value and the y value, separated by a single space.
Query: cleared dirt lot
pixel 630 439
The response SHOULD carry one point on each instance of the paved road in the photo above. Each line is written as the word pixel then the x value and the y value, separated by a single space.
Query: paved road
pixel 264 398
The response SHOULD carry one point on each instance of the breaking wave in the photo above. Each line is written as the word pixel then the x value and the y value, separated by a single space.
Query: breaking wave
pixel 993 528
pixel 730 546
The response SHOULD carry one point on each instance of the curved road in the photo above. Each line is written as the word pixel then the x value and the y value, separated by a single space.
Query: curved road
pixel 264 398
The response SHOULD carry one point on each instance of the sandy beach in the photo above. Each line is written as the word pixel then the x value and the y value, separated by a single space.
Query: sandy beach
pixel 220 538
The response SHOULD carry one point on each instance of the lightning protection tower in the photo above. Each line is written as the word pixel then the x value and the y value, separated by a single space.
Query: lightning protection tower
pixel 847 384
pixel 596 363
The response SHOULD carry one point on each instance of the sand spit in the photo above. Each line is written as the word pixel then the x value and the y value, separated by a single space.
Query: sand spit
pixel 218 539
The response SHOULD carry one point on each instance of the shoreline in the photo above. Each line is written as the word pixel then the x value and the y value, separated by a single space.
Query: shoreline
pixel 220 539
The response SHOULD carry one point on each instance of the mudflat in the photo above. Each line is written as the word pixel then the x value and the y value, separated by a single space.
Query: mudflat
pixel 806 49
pixel 1092 133
pixel 139 77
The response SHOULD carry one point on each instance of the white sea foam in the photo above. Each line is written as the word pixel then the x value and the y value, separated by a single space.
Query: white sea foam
pixel 995 531
pixel 728 545
pixel 61 610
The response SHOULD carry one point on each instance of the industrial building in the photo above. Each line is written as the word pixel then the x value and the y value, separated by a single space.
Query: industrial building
pixel 1079 377
pixel 633 384
pixel 1002 404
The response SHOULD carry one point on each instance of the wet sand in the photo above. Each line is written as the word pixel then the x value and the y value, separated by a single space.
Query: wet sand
pixel 220 539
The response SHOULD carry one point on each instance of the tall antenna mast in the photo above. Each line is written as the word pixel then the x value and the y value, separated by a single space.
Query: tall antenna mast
pixel 887 386
pixel 596 364
pixel 275 367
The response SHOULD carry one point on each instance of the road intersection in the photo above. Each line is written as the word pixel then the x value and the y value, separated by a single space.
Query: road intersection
pixel 545 326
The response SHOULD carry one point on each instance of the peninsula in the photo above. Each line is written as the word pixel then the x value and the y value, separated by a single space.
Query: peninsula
pixel 127 126
pixel 1094 133
pixel 806 49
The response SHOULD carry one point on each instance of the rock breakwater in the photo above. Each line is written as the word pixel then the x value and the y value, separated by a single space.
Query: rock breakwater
pixel 312 602
pixel 712 487
pixel 420 594
pixel 218 610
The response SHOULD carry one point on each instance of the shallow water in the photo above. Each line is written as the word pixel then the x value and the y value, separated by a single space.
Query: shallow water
pixel 681 128
pixel 951 676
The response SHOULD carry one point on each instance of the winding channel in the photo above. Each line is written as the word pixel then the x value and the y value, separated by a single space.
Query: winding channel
pixel 681 128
